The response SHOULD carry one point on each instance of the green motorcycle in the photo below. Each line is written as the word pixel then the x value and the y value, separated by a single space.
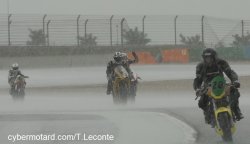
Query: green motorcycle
pixel 222 119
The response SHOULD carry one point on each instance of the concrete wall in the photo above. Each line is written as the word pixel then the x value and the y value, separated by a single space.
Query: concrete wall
pixel 56 61
pixel 62 56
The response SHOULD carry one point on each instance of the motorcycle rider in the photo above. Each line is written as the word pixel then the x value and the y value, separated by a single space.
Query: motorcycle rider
pixel 119 59
pixel 133 78
pixel 13 73
pixel 109 71
pixel 206 70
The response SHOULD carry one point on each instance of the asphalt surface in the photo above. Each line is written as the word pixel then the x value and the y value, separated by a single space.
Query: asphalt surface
pixel 62 109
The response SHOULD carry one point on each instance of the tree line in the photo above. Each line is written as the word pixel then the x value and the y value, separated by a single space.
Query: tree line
pixel 136 37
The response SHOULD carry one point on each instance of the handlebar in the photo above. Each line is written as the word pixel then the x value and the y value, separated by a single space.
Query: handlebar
pixel 204 89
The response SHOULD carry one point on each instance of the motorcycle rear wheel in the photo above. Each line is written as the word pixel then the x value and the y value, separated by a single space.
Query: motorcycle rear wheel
pixel 123 93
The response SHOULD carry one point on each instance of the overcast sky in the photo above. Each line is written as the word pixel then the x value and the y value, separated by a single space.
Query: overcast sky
pixel 235 9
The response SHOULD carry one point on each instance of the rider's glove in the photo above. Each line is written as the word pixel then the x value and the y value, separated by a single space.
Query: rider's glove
pixel 131 75
pixel 236 84
pixel 198 92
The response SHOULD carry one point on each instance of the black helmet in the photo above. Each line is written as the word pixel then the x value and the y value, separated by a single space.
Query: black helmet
pixel 209 55
pixel 209 52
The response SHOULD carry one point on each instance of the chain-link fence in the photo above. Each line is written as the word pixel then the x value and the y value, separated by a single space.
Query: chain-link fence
pixel 69 30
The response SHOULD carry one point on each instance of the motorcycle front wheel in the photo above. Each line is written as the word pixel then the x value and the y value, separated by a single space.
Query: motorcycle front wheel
pixel 225 124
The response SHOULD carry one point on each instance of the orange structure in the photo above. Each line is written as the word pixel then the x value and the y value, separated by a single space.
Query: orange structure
pixel 175 55
pixel 144 57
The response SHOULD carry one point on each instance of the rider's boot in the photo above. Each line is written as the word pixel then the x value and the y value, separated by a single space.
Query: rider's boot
pixel 11 90
pixel 207 117
pixel 236 110
pixel 238 114
pixel 234 97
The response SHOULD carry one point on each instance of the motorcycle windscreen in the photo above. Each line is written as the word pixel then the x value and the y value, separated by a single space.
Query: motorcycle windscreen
pixel 120 71
pixel 218 84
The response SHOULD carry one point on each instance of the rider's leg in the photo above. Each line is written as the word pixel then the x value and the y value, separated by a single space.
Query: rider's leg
pixel 203 104
pixel 234 99
pixel 109 87
pixel 11 89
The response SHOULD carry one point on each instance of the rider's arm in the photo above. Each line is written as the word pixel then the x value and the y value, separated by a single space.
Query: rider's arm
pixel 19 73
pixel 131 61
pixel 126 66
pixel 231 74
pixel 135 60
pixel 198 79
pixel 109 68
pixel 10 75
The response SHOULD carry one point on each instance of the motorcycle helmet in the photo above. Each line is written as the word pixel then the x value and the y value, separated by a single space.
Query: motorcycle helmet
pixel 117 56
pixel 209 55
pixel 15 66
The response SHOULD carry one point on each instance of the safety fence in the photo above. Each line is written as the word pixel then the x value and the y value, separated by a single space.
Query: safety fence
pixel 74 40
pixel 72 30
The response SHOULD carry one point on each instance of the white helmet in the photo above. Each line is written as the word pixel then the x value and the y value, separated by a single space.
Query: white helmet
pixel 15 66
pixel 118 56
